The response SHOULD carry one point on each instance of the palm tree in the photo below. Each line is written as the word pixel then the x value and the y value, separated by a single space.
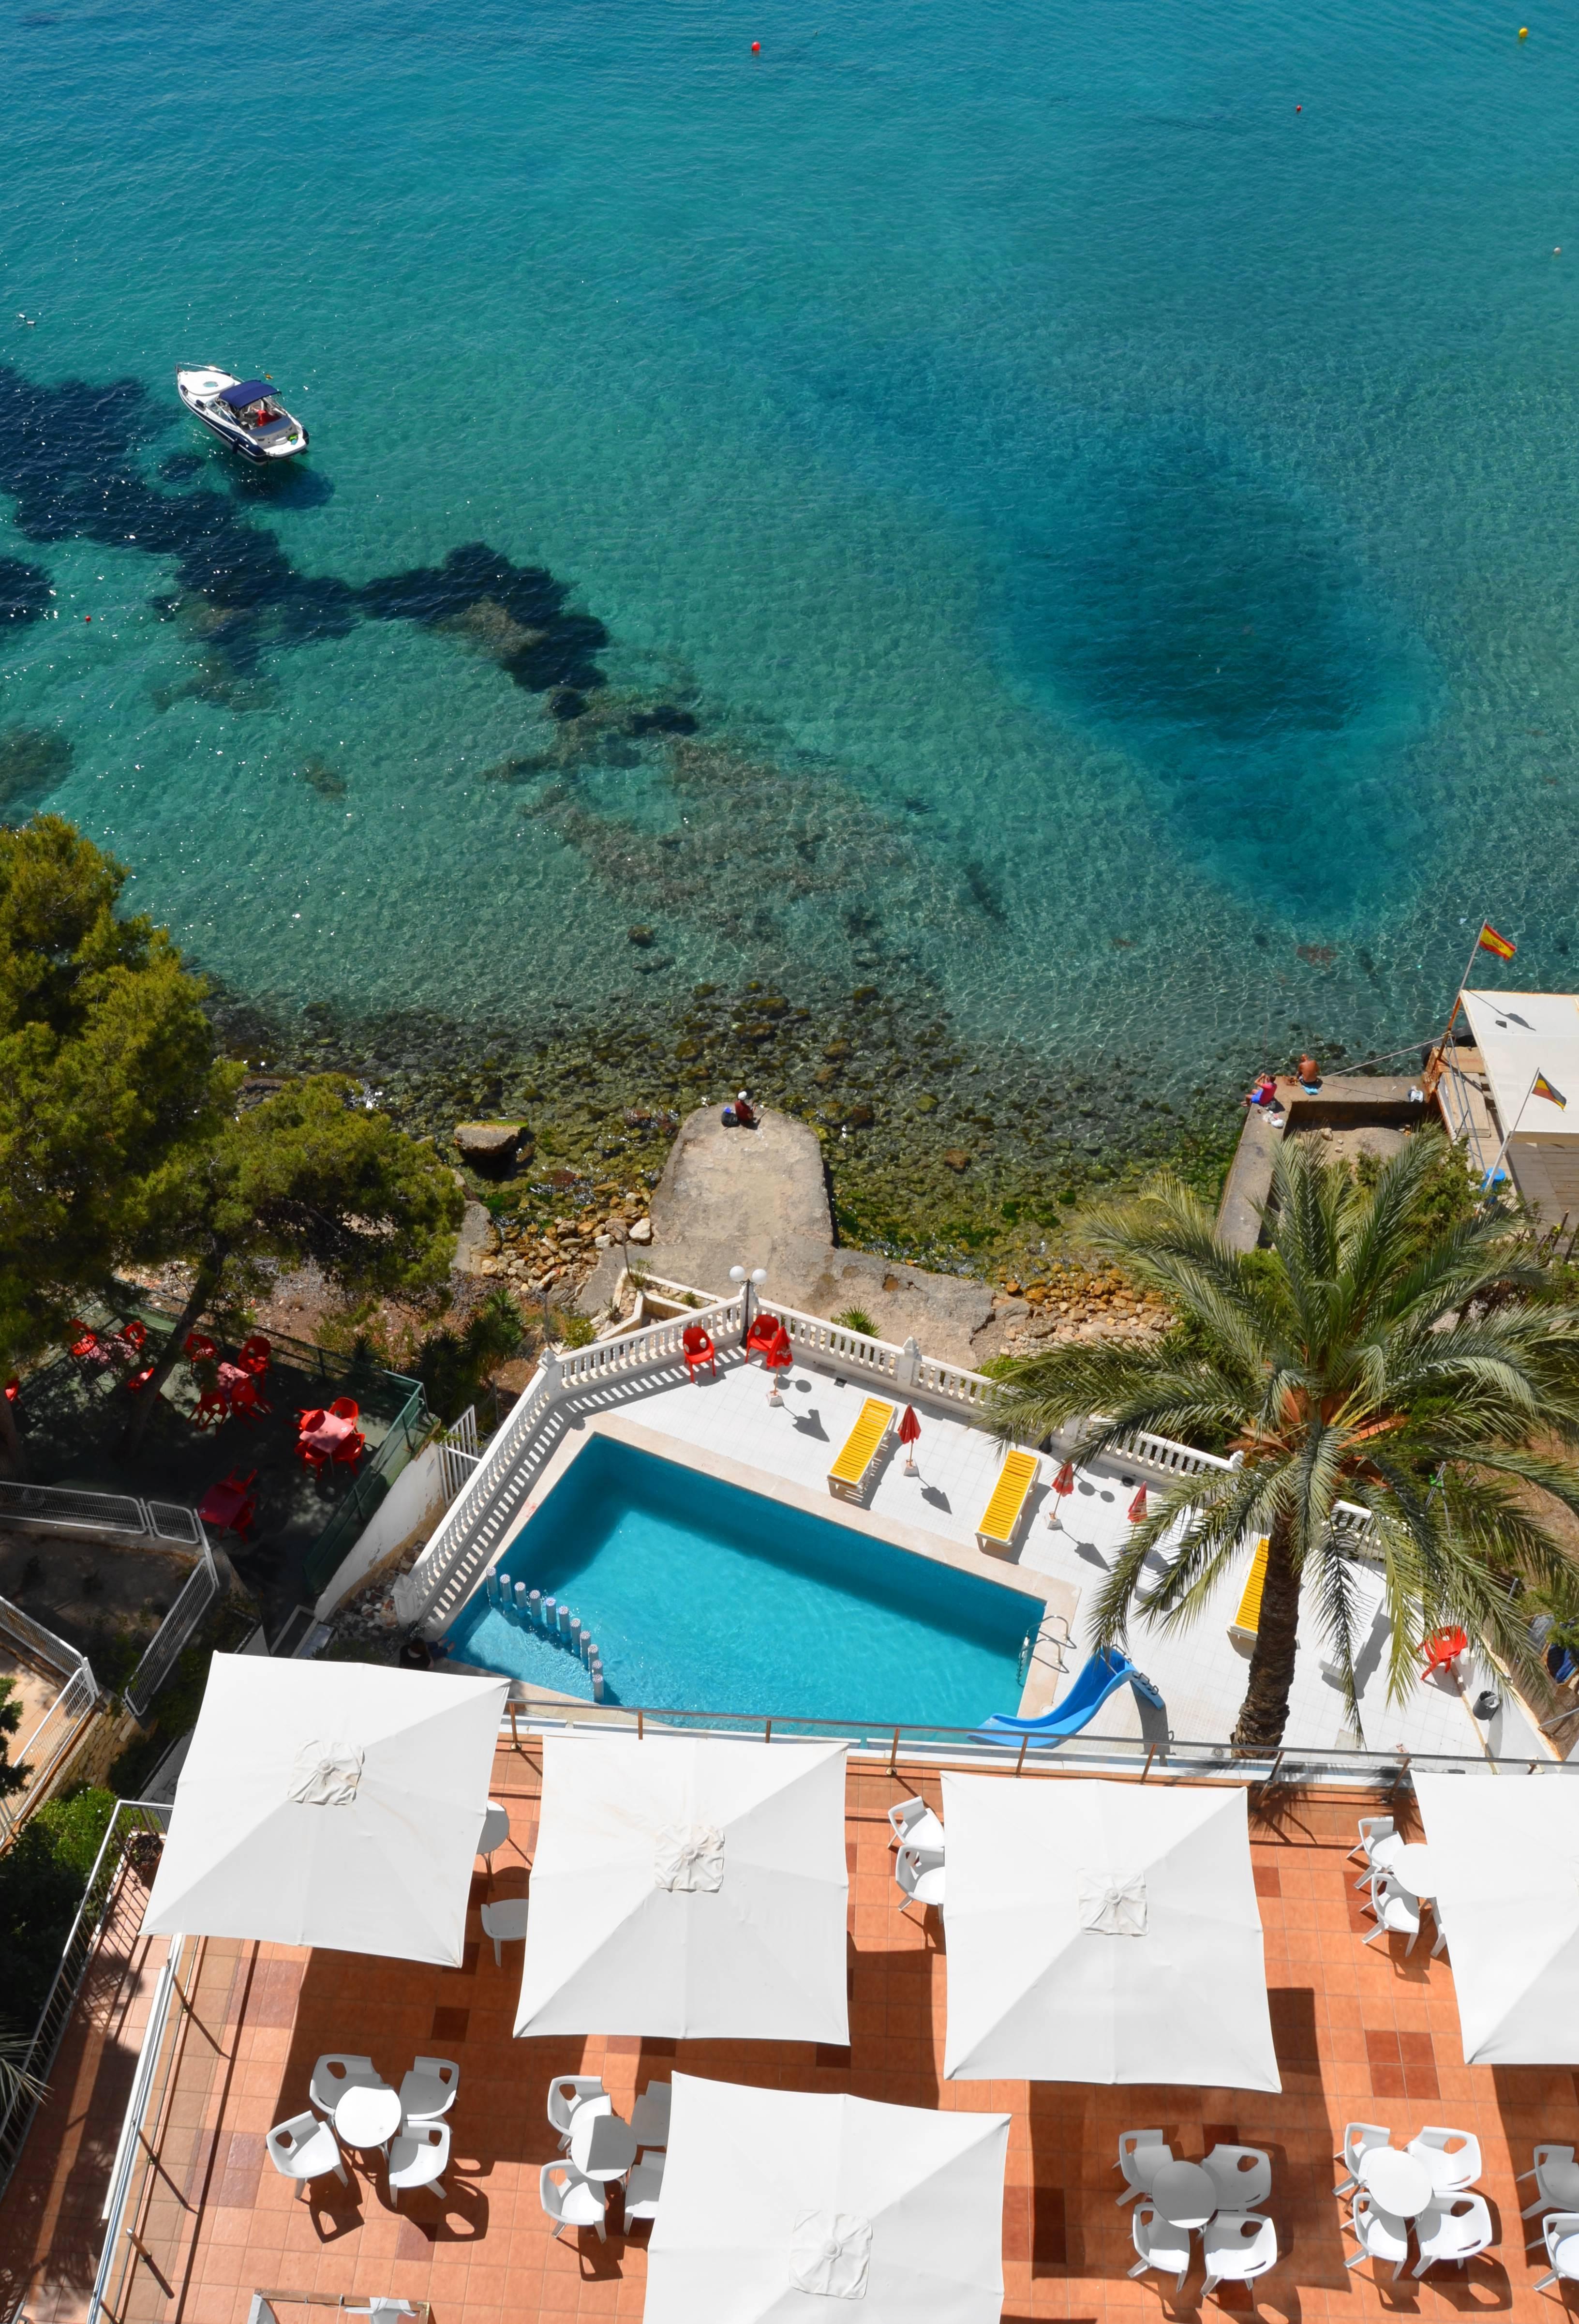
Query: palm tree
pixel 1423 1370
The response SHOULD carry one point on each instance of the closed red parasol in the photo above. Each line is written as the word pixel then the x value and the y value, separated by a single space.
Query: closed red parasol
pixel 1064 1482
pixel 1137 1508
pixel 909 1436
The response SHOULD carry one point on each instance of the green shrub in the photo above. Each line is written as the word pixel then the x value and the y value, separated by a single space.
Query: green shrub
pixel 578 1331
pixel 856 1319
pixel 453 1365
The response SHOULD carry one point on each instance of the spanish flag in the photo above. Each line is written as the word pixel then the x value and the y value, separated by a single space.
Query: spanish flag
pixel 1541 1087
pixel 1490 941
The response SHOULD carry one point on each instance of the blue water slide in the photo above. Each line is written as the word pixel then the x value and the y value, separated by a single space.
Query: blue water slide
pixel 1100 1676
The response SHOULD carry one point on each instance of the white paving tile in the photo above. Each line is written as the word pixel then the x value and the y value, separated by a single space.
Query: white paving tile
pixel 1199 1671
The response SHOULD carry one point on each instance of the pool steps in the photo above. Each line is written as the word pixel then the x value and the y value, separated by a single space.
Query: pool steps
pixel 555 1621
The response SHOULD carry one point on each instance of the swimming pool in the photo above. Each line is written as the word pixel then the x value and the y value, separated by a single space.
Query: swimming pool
pixel 705 1597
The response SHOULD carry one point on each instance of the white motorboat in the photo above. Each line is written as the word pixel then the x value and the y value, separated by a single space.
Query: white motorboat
pixel 244 413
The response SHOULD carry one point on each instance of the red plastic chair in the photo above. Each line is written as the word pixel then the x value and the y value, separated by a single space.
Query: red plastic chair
pixel 246 1402
pixel 350 1449
pixel 86 1346
pixel 697 1350
pixel 13 1388
pixel 1443 1648
pixel 345 1408
pixel 199 1349
pixel 213 1408
pixel 765 1329
pixel 253 1355
pixel 137 1381
pixel 315 1455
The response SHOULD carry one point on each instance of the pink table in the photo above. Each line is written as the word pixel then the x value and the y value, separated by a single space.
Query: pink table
pixel 332 1430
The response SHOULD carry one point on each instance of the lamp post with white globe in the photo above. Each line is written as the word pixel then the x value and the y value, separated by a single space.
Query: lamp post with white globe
pixel 754 1280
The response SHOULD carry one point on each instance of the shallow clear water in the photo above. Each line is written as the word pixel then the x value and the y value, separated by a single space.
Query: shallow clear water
pixel 1112 528
pixel 702 1597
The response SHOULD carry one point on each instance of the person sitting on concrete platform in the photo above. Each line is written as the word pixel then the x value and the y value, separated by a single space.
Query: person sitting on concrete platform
pixel 1309 1075
pixel 1265 1092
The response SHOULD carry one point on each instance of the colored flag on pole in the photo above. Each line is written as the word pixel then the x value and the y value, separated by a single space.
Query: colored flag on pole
pixel 1541 1087
pixel 1490 941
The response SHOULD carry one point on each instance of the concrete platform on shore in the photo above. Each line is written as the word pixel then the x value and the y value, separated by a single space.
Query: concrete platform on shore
pixel 1353 1114
pixel 759 1198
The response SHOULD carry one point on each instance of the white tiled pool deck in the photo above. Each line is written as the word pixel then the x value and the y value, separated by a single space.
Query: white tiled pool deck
pixel 1199 1671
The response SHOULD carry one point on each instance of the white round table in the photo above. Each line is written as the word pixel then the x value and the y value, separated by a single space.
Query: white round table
pixel 1399 2182
pixel 602 2145
pixel 1566 2257
pixel 366 2117
pixel 1185 2194
pixel 1411 1867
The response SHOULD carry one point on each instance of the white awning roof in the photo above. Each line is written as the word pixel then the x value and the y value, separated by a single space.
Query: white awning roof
pixel 786 2203
pixel 1505 1861
pixel 1103 1932
pixel 1520 1035
pixel 688 1886
pixel 330 1803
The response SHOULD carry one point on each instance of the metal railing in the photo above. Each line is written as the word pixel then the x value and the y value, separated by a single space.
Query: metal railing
pixel 134 1822
pixel 44 1751
pixel 1180 1759
pixel 406 1435
pixel 197 1593
pixel 61 1508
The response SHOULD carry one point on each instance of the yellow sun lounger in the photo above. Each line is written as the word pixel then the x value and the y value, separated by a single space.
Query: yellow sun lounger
pixel 1001 1517
pixel 849 1475
pixel 1246 1622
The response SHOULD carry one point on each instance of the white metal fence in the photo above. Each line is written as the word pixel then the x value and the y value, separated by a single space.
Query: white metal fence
pixel 59 1508
pixel 44 1749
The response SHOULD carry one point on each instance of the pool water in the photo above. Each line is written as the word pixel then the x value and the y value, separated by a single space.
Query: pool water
pixel 705 1597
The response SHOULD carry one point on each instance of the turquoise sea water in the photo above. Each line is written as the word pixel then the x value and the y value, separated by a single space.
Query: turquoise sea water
pixel 702 1597
pixel 1111 530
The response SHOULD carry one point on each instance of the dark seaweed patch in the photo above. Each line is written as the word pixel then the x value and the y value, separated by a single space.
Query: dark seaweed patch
pixel 24 591
pixel 70 459
pixel 34 762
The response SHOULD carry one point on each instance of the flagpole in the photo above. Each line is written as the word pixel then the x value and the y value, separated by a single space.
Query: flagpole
pixel 1508 1140
pixel 1458 991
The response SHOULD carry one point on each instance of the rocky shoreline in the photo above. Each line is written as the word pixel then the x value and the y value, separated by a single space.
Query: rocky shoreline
pixel 949 1154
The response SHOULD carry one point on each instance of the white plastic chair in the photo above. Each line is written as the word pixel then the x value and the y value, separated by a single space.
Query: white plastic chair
pixel 1141 2155
pixel 1453 2157
pixel 1556 2182
pixel 577 2203
pixel 305 2148
pixel 1375 1834
pixel 335 2073
pixel 568 2091
pixel 914 1822
pixel 418 2156
pixel 919 1871
pixel 494 1833
pixel 642 2189
pixel 1556 2228
pixel 1456 2230
pixel 1398 1913
pixel 505 1923
pixel 649 2117
pixel 1381 2235
pixel 1239 2246
pixel 1242 2176
pixel 1359 2137
pixel 1372 1829
pixel 1160 2244
pixel 428 2091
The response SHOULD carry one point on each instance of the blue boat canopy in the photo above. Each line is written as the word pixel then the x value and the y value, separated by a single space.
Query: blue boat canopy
pixel 246 390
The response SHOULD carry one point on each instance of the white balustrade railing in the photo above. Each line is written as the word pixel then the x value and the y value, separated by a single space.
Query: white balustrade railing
pixel 473 1527
pixel 491 1499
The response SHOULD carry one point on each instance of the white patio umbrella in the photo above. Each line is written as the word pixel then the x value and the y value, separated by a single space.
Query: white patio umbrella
pixel 1103 1932
pixel 330 1803
pixel 775 2203
pixel 1505 1866
pixel 688 1886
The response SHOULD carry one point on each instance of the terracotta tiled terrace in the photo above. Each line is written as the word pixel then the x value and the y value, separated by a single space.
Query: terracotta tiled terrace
pixel 1360 2034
